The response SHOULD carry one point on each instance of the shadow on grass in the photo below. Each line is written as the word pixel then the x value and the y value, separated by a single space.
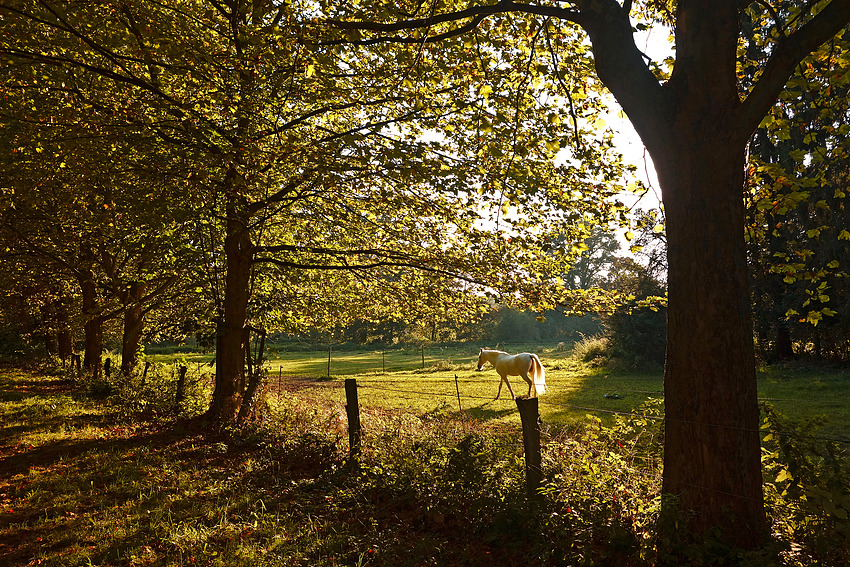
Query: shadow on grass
pixel 483 413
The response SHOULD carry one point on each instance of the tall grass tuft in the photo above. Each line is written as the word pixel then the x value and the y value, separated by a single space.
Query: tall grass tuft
pixel 593 348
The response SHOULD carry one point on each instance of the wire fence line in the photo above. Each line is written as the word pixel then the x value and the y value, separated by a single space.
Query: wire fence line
pixel 650 417
pixel 196 370
pixel 203 371
pixel 624 467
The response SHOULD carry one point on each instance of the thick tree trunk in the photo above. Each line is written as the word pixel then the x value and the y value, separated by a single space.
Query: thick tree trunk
pixel 230 356
pixel 64 344
pixel 133 324
pixel 712 458
pixel 696 129
pixel 93 326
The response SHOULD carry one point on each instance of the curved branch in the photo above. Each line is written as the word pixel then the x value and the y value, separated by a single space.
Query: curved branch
pixel 788 53
pixel 476 14
pixel 367 266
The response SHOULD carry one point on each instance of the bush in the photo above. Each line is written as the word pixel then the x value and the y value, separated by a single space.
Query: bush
pixel 637 339
pixel 807 490
pixel 589 349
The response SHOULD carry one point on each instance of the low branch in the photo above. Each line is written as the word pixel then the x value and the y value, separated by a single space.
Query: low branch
pixel 367 266
pixel 476 14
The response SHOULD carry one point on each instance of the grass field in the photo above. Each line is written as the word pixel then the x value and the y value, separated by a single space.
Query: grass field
pixel 84 481
pixel 88 479
pixel 397 379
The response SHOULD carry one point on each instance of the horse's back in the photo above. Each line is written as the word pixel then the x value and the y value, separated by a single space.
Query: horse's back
pixel 514 364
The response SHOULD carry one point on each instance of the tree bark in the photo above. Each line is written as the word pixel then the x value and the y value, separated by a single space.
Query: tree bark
pixel 131 338
pixel 712 459
pixel 93 325
pixel 230 356
pixel 693 128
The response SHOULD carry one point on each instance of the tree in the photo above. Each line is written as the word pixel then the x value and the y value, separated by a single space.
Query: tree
pixel 595 261
pixel 797 213
pixel 696 123
pixel 313 159
pixel 85 208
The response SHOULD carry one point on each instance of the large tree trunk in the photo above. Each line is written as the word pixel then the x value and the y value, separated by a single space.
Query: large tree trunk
pixel 131 338
pixel 694 128
pixel 712 459
pixel 230 354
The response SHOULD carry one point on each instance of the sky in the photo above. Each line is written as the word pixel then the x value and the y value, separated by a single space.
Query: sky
pixel 654 43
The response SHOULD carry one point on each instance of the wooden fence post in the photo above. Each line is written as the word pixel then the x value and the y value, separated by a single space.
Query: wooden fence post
pixel 352 409
pixel 529 416
pixel 181 389
pixel 330 349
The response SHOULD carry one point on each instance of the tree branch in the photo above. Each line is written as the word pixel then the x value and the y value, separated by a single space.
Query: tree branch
pixel 476 14
pixel 788 53
pixel 367 266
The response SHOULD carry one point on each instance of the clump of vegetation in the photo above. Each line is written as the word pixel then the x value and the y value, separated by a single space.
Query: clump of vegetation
pixel 807 488
pixel 430 488
pixel 591 349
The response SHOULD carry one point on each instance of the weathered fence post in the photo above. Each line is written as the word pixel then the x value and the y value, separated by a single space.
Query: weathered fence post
pixel 352 409
pixel 457 389
pixel 530 417
pixel 181 389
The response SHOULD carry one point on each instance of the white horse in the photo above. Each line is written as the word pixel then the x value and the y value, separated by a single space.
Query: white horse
pixel 524 364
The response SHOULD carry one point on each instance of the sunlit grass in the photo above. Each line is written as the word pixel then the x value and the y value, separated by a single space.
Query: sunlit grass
pixel 394 379
pixel 85 482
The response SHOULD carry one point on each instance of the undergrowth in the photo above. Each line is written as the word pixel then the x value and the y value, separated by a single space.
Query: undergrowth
pixel 143 485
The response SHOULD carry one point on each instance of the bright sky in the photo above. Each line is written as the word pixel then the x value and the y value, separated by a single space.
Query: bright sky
pixel 655 43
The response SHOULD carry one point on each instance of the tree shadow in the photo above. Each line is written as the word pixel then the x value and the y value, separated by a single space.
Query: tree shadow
pixel 483 413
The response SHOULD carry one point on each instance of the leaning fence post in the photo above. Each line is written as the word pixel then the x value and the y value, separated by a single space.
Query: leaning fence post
pixel 352 409
pixel 529 416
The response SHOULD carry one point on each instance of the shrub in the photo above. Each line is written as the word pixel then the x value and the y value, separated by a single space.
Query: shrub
pixel 590 349
pixel 807 490
pixel 637 339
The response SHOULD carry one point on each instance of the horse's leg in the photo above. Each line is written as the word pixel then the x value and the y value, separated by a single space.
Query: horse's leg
pixel 508 382
pixel 530 385
pixel 499 393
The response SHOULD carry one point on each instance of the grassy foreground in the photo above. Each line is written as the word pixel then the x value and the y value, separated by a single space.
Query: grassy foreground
pixel 112 476
pixel 84 482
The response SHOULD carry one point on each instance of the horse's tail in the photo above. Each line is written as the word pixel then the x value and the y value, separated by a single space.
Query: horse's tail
pixel 538 374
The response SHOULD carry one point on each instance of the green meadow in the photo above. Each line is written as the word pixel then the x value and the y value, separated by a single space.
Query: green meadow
pixel 398 379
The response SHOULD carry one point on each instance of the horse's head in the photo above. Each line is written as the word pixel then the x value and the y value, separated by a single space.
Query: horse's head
pixel 481 360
